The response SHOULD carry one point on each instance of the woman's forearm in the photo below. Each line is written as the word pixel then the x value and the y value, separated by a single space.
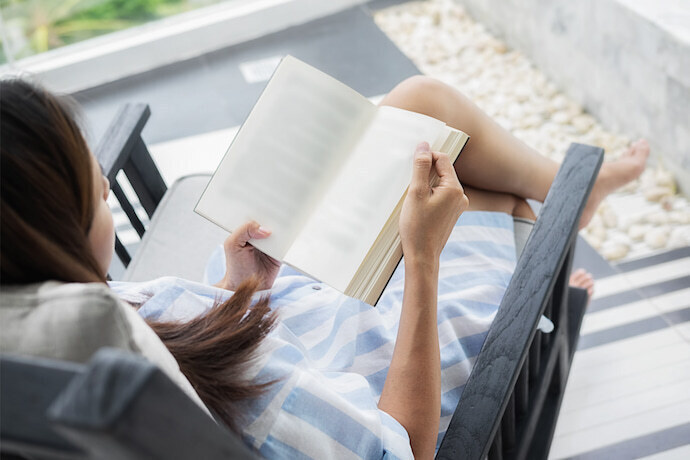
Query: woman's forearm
pixel 412 391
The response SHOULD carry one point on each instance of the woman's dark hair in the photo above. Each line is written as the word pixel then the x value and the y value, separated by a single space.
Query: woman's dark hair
pixel 46 213
pixel 46 189
pixel 215 349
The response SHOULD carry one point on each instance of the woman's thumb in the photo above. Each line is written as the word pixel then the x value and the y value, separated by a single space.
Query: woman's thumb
pixel 248 231
pixel 422 167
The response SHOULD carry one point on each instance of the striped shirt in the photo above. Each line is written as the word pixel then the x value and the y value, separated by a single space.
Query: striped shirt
pixel 329 354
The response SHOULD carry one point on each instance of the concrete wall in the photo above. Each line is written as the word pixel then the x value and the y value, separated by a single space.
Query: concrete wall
pixel 626 61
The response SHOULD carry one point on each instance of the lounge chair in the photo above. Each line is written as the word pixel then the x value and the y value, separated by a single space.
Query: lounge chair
pixel 121 406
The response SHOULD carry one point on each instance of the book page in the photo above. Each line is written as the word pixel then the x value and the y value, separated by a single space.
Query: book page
pixel 285 154
pixel 348 220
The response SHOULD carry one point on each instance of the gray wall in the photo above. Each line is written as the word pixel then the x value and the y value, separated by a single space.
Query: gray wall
pixel 623 66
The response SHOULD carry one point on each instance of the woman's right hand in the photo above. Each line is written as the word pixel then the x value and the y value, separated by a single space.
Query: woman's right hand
pixel 429 214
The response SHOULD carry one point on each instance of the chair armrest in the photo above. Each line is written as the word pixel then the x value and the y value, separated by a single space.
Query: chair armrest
pixel 121 137
pixel 122 148
pixel 487 392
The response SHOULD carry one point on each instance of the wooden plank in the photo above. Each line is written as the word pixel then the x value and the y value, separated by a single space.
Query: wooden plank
pixel 546 425
pixel 122 135
pixel 128 208
pixel 122 252
pixel 478 414
pixel 144 177
pixel 540 391
pixel 508 426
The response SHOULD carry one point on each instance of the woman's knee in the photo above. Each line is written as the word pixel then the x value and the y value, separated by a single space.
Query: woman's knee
pixel 419 84
pixel 418 93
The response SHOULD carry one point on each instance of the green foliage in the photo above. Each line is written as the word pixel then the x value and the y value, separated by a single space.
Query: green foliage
pixel 49 24
pixel 131 10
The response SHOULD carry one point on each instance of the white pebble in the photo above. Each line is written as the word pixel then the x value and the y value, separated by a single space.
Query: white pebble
pixel 637 231
pixel 609 218
pixel 680 237
pixel 615 251
pixel 664 178
pixel 620 238
pixel 679 217
pixel 561 118
pixel 657 218
pixel 559 102
pixel 594 241
pixel 597 231
pixel 657 238
pixel 583 122
pixel 656 193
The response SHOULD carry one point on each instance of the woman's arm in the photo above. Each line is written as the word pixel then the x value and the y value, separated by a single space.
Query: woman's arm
pixel 412 391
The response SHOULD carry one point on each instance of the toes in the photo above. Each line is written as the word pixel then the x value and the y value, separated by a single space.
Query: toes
pixel 640 146
pixel 582 279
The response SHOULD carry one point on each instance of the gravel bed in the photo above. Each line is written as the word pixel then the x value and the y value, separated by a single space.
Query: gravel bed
pixel 645 217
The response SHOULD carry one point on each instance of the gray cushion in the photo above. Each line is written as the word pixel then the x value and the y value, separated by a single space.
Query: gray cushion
pixel 178 241
pixel 523 227
pixel 72 321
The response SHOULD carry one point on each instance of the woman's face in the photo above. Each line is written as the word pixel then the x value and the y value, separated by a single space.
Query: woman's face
pixel 102 233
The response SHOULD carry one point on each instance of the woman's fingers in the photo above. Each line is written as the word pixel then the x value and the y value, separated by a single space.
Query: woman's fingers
pixel 423 162
pixel 449 181
pixel 444 168
pixel 246 232
pixel 242 260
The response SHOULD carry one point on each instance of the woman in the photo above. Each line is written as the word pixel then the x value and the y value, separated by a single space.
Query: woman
pixel 396 370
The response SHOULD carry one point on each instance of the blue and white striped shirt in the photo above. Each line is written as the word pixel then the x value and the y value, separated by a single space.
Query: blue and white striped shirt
pixel 329 353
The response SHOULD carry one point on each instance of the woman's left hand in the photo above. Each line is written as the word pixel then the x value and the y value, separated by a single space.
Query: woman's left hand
pixel 242 260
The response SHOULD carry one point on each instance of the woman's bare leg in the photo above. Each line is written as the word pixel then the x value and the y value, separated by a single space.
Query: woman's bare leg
pixel 496 160
pixel 483 200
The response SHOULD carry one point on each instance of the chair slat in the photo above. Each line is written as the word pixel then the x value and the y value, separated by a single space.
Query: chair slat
pixel 122 252
pixel 128 208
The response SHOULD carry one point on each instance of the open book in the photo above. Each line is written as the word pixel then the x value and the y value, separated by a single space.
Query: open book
pixel 326 171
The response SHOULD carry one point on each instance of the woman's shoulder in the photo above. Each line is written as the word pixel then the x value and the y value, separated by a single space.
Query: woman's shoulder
pixel 61 320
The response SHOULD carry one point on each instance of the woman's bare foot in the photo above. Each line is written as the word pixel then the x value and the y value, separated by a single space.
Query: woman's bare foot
pixel 615 174
pixel 583 280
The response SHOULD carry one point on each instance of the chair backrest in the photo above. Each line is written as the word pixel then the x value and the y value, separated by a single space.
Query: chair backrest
pixel 123 149
pixel 118 406
pixel 28 386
